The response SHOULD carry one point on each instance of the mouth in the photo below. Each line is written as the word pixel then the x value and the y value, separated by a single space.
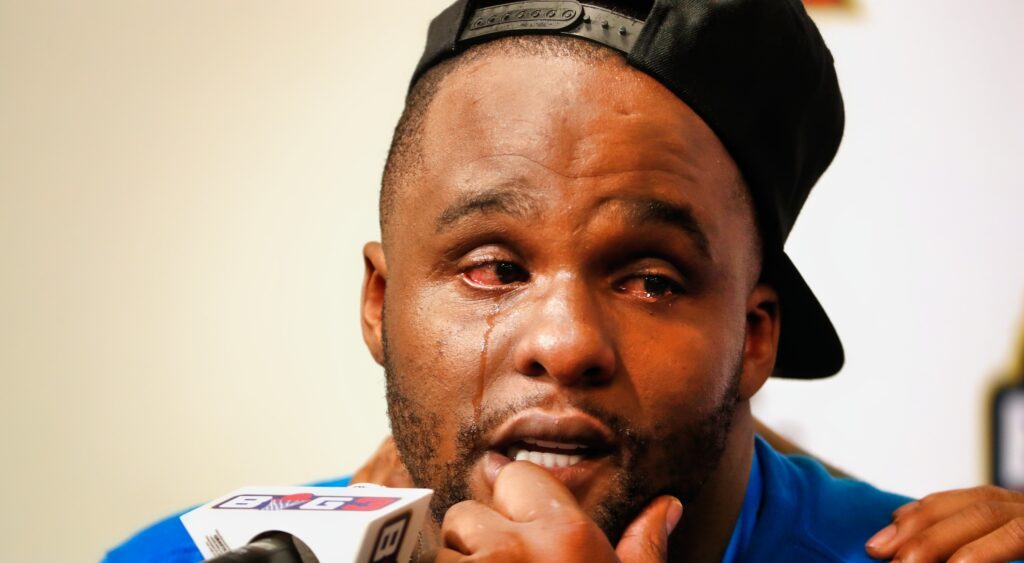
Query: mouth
pixel 572 446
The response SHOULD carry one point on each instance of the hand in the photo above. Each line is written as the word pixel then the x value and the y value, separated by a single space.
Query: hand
pixel 976 525
pixel 536 518
pixel 384 468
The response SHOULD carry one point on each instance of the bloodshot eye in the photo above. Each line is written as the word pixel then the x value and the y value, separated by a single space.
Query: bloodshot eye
pixel 496 274
pixel 650 287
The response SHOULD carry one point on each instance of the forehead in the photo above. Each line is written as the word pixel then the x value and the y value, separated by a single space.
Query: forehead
pixel 575 127
pixel 565 112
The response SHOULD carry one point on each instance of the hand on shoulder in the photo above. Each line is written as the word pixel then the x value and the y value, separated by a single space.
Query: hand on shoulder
pixel 977 524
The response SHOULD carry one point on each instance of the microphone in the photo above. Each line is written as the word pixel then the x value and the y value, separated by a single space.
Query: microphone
pixel 360 523
pixel 273 548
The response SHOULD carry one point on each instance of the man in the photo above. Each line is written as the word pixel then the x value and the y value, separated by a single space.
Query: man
pixel 582 261
pixel 581 283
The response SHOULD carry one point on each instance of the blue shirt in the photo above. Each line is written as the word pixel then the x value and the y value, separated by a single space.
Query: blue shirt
pixel 793 511
pixel 745 522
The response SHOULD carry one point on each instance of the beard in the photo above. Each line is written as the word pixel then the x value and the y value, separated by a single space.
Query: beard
pixel 665 460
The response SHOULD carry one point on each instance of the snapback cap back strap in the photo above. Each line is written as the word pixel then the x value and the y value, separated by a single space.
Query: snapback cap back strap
pixel 598 24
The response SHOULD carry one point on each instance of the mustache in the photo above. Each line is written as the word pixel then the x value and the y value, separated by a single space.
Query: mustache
pixel 472 442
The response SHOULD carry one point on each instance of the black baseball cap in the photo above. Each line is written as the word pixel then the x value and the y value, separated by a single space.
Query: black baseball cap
pixel 756 71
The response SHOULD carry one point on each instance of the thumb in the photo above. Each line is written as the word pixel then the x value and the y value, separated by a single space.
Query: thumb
pixel 646 538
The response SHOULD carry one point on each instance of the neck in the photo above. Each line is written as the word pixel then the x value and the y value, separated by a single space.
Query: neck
pixel 703 532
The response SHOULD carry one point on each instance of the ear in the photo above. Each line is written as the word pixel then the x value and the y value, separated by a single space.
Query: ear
pixel 762 340
pixel 371 308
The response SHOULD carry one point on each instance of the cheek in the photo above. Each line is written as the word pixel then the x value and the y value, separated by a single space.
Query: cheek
pixel 680 372
pixel 436 350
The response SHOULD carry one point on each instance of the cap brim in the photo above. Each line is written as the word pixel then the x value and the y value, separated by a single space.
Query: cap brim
pixel 809 347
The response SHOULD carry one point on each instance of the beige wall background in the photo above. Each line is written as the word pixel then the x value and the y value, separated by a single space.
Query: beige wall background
pixel 185 187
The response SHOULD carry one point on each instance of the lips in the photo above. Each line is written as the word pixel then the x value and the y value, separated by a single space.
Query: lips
pixel 571 445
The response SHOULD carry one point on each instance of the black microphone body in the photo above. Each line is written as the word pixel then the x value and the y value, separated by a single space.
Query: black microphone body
pixel 273 548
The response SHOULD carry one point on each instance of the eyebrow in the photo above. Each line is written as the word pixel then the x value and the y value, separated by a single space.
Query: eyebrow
pixel 512 201
pixel 503 199
pixel 679 216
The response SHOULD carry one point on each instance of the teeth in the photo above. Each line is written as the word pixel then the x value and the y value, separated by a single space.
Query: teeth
pixel 553 445
pixel 544 459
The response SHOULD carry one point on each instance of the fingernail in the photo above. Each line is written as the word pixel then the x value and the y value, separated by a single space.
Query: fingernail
pixel 672 515
pixel 883 537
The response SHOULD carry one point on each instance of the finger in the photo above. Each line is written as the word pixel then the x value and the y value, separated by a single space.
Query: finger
pixel 468 526
pixel 940 540
pixel 448 556
pixel 646 538
pixel 524 492
pixel 905 509
pixel 1004 544
pixel 913 518
pixel 952 501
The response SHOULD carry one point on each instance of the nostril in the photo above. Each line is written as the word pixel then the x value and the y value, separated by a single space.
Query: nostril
pixel 594 373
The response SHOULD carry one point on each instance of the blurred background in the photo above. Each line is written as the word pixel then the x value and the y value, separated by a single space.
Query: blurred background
pixel 185 188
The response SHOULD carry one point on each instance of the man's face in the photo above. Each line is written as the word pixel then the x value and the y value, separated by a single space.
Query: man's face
pixel 567 279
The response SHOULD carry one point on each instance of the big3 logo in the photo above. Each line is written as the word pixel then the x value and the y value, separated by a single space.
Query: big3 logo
pixel 306 501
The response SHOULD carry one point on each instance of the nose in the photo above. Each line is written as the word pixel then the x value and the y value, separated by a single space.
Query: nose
pixel 565 336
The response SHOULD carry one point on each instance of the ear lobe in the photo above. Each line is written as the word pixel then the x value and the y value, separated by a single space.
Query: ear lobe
pixel 371 308
pixel 762 339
